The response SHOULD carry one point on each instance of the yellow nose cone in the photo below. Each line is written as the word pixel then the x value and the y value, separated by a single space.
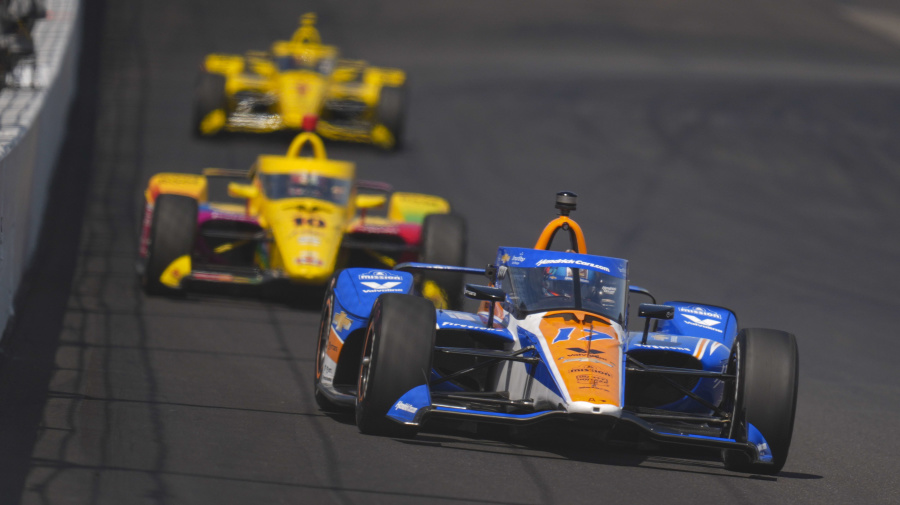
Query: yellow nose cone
pixel 309 267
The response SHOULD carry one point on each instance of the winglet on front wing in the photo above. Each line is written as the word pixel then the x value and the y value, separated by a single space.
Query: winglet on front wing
pixel 755 447
pixel 410 408
pixel 762 447
pixel 176 271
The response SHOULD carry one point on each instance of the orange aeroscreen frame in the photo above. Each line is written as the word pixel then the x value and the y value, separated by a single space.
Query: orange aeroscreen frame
pixel 567 224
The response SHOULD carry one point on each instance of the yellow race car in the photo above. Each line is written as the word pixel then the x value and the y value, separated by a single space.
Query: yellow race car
pixel 295 219
pixel 300 84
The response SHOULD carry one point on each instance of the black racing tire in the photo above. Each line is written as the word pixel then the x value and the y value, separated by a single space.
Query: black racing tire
pixel 322 347
pixel 209 95
pixel 767 364
pixel 391 112
pixel 172 233
pixel 444 242
pixel 396 357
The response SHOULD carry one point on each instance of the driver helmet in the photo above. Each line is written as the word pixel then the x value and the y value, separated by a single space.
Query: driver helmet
pixel 558 281
pixel 304 59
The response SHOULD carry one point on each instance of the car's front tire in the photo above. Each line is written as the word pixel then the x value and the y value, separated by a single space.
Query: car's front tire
pixel 210 105
pixel 397 356
pixel 767 366
pixel 391 113
pixel 172 232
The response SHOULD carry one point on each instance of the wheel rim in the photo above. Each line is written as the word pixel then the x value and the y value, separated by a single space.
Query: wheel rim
pixel 365 365
pixel 324 334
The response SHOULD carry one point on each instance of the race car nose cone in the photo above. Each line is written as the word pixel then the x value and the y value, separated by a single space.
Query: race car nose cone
pixel 309 122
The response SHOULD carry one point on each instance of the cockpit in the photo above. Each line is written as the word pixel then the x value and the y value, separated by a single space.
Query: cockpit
pixel 305 185
pixel 300 61
pixel 545 281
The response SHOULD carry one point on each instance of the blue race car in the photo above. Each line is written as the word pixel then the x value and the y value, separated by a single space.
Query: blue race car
pixel 550 340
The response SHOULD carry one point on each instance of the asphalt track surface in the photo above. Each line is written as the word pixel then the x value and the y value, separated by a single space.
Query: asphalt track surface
pixel 738 153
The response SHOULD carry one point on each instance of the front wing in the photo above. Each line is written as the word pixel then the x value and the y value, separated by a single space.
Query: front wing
pixel 416 407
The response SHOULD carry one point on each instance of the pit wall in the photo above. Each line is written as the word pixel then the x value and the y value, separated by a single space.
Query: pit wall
pixel 32 130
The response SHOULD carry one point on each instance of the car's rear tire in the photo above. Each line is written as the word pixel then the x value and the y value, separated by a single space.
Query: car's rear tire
pixel 209 96
pixel 444 243
pixel 172 233
pixel 322 348
pixel 396 357
pixel 767 366
pixel 391 112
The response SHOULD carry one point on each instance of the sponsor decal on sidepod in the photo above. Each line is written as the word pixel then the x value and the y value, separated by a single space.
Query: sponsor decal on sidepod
pixel 379 281
pixel 696 309
pixel 380 286
pixel 341 322
pixel 662 347
pixel 461 315
pixel 367 291
pixel 464 326
pixel 379 275
pixel 702 322
pixel 707 324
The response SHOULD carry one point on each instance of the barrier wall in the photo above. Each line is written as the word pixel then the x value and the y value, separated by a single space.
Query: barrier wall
pixel 32 129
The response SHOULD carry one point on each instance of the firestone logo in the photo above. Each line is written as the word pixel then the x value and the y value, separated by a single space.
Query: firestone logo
pixel 662 347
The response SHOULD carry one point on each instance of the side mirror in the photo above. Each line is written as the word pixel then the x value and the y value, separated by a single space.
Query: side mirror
pixel 488 294
pixel 370 201
pixel 652 311
pixel 485 293
pixel 238 190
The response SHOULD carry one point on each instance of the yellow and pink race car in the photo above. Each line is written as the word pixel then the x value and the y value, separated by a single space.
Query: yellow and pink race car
pixel 294 219
pixel 301 84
